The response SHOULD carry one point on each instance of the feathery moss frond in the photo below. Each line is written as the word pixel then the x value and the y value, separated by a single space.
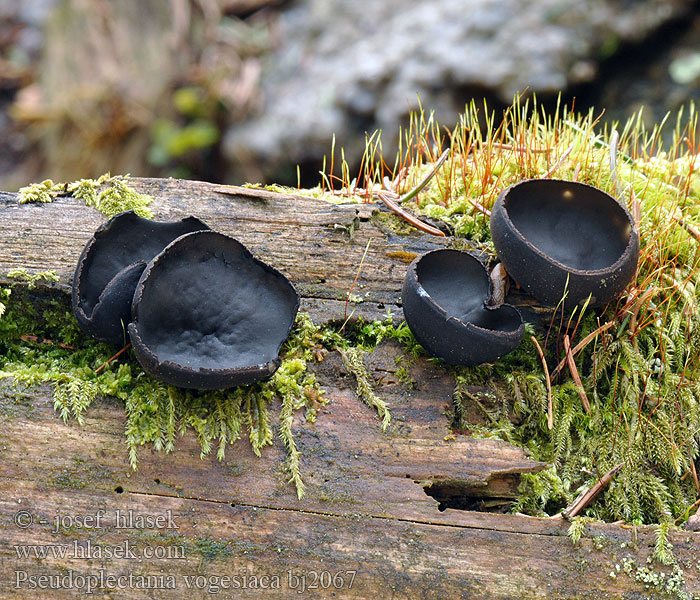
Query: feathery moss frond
pixel 353 359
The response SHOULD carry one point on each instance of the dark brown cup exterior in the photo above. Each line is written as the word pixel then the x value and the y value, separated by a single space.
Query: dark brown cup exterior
pixel 555 237
pixel 109 268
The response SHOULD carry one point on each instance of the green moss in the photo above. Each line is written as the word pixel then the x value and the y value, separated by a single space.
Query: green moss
pixel 110 194
pixel 31 279
pixel 577 527
pixel 211 549
pixel 642 375
pixel 66 479
pixel 404 376
pixel 42 192
pixel 156 414
pixel 353 359
pixel 15 404
pixel 330 495
pixel 273 187
pixel 391 222
pixel 78 475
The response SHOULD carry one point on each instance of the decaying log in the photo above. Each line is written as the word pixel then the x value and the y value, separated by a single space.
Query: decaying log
pixel 378 518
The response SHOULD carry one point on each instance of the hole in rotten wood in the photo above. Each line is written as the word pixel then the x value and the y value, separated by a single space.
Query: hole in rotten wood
pixel 496 497
pixel 119 489
pixel 156 480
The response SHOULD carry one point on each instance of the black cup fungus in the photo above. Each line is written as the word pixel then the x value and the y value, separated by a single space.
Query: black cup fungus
pixel 445 297
pixel 556 237
pixel 110 266
pixel 208 315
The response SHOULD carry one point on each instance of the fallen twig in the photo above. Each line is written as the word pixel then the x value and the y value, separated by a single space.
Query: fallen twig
pixel 690 509
pixel 519 148
pixel 406 216
pixel 478 206
pixel 590 494
pixel 558 164
pixel 692 230
pixel 550 410
pixel 117 355
pixel 41 340
pixel 581 345
pixel 416 190
pixel 694 473
pixel 575 375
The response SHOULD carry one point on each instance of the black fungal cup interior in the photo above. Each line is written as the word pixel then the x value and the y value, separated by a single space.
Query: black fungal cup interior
pixel 110 266
pixel 208 315
pixel 445 296
pixel 588 234
pixel 556 237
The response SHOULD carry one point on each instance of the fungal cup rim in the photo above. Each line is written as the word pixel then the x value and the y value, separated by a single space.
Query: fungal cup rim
pixel 265 368
pixel 624 256
pixel 466 324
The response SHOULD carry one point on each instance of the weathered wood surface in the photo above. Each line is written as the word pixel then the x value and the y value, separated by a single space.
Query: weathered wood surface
pixel 366 509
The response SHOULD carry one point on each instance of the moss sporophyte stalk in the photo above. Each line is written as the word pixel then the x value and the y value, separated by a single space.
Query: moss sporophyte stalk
pixel 637 358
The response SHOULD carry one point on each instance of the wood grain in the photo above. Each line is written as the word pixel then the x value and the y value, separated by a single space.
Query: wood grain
pixel 366 508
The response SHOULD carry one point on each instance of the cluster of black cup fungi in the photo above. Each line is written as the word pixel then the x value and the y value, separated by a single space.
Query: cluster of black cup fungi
pixel 199 309
pixel 202 312
pixel 563 242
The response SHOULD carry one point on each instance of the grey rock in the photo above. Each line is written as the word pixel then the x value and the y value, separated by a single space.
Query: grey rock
pixel 344 67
